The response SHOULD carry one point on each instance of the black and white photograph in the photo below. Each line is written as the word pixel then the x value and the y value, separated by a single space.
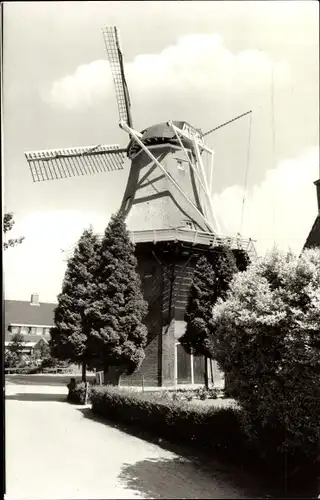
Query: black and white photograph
pixel 161 249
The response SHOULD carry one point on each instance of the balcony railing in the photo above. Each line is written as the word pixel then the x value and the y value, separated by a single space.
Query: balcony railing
pixel 189 236
pixel 194 237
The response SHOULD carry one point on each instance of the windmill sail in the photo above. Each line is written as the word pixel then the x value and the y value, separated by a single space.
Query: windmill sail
pixel 71 162
pixel 112 43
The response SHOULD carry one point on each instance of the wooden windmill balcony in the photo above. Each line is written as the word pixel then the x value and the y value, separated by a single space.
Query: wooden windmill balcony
pixel 189 236
pixel 194 238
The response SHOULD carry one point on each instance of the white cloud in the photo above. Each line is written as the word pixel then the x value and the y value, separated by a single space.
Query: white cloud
pixel 38 263
pixel 89 84
pixel 197 63
pixel 280 210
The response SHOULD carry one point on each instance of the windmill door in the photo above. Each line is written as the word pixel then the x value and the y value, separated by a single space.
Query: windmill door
pixel 189 369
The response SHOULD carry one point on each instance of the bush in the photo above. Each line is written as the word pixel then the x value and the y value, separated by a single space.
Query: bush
pixel 217 428
pixel 77 393
pixel 11 359
pixel 25 370
pixel 189 395
pixel 34 369
pixel 214 429
pixel 266 339
pixel 202 393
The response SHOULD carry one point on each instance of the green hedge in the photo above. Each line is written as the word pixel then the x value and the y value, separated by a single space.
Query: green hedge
pixel 76 395
pixel 25 370
pixel 217 429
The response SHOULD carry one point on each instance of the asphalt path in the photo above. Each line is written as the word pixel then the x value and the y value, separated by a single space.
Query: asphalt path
pixel 55 450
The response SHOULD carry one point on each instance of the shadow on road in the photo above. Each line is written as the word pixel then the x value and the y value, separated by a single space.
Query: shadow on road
pixel 175 478
pixel 142 475
pixel 37 397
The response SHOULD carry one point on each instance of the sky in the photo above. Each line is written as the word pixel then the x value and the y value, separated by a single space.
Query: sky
pixel 202 62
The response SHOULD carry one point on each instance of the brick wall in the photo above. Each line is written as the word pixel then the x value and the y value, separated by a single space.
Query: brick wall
pixel 182 276
pixel 152 285
pixel 166 272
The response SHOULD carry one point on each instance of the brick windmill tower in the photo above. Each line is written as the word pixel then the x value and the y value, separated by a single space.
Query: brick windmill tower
pixel 170 215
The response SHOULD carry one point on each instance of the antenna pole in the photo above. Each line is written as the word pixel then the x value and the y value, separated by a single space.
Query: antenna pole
pixel 227 123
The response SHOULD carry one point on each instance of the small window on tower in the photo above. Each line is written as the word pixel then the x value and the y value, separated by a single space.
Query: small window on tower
pixel 180 165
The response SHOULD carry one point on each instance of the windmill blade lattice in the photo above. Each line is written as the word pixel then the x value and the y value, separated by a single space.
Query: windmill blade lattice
pixel 71 162
pixel 112 43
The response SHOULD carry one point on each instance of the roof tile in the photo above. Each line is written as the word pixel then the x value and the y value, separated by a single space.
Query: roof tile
pixel 23 313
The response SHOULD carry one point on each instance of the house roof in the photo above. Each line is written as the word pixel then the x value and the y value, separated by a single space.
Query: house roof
pixel 20 312
pixel 313 239
pixel 23 313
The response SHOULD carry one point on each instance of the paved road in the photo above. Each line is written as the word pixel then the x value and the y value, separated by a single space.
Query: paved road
pixel 46 378
pixel 54 450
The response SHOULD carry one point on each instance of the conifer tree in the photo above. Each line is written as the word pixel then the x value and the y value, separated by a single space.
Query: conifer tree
pixel 118 334
pixel 198 311
pixel 69 337
pixel 210 281
pixel 242 259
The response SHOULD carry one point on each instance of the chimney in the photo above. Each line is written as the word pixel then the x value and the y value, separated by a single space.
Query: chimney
pixel 317 184
pixel 34 299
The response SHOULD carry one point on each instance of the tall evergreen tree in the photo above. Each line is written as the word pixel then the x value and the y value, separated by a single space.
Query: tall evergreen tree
pixel 69 337
pixel 242 259
pixel 118 334
pixel 210 281
pixel 198 311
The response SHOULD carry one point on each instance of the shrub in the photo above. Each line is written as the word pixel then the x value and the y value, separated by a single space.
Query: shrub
pixel 11 359
pixel 202 393
pixel 189 395
pixel 218 428
pixel 34 369
pixel 77 393
pixel 213 393
pixel 25 370
pixel 214 429
pixel 266 338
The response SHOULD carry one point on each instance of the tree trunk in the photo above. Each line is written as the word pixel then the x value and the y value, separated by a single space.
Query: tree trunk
pixel 211 372
pixel 206 378
pixel 84 372
pixel 112 375
pixel 227 384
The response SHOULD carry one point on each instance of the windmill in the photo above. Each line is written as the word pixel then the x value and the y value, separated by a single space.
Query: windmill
pixel 167 203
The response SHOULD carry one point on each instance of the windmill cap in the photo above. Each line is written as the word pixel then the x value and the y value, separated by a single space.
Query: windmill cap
pixel 156 134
